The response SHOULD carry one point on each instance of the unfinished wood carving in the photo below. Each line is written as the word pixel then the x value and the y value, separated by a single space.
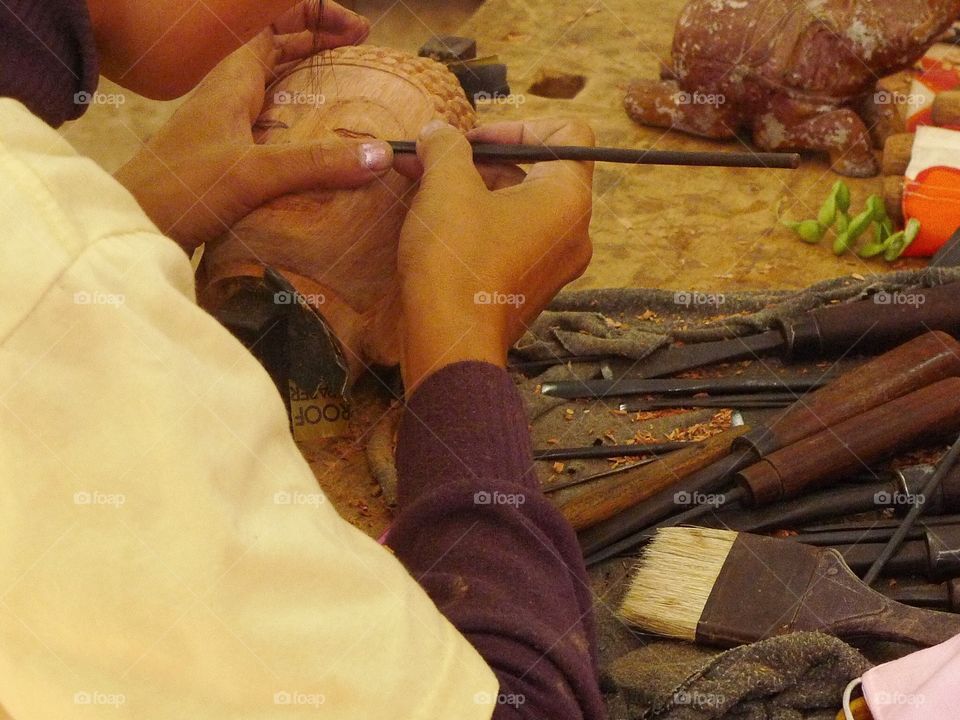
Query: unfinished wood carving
pixel 794 73
pixel 339 248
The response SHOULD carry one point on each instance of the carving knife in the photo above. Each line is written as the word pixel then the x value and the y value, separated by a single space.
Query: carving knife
pixel 574 389
pixel 870 324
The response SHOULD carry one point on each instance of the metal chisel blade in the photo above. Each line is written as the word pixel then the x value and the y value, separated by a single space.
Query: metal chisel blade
pixel 687 357
pixel 624 386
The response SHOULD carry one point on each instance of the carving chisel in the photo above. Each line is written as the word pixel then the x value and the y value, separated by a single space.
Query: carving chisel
pixel 609 451
pixel 863 325
pixel 577 389
pixel 915 364
pixel 504 153
pixel 833 453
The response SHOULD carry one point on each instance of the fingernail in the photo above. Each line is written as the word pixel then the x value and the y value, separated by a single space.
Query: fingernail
pixel 431 127
pixel 376 156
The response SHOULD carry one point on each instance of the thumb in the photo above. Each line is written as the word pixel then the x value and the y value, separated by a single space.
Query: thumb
pixel 446 157
pixel 269 171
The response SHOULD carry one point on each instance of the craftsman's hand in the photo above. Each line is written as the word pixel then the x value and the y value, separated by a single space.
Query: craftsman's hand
pixel 477 265
pixel 163 48
pixel 202 172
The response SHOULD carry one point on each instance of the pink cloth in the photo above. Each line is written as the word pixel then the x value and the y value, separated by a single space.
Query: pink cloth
pixel 925 684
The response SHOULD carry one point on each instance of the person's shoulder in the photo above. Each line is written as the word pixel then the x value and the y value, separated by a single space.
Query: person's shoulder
pixel 55 207
pixel 61 186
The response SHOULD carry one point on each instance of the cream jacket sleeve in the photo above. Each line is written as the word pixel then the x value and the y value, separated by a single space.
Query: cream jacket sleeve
pixel 152 563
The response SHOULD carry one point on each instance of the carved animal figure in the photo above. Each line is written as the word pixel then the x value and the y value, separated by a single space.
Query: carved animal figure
pixel 791 72
pixel 339 249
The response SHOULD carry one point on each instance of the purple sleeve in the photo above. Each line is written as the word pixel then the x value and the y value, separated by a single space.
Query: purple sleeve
pixel 497 558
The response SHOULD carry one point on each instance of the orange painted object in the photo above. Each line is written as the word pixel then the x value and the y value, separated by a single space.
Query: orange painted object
pixel 938 71
pixel 933 199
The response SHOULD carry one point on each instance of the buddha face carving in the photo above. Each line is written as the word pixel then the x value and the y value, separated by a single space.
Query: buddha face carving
pixel 341 245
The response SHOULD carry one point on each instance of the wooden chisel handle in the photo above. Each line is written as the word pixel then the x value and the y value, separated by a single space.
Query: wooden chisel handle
pixel 915 364
pixel 590 504
pixel 856 442
pixel 880 321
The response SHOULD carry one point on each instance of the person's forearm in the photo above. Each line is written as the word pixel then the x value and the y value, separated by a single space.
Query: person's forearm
pixel 499 561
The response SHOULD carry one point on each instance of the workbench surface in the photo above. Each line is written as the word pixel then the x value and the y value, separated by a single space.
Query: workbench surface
pixel 701 229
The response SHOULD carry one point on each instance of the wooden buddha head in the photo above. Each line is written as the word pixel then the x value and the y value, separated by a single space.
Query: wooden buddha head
pixel 339 248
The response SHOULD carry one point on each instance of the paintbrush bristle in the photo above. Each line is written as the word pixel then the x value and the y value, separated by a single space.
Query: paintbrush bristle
pixel 674 578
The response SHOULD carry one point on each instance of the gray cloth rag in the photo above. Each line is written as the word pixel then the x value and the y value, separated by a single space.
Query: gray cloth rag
pixel 800 676
pixel 633 322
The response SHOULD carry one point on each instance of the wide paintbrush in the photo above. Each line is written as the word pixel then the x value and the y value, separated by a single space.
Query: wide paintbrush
pixel 724 588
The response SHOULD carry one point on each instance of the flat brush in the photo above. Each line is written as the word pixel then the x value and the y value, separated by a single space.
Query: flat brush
pixel 723 588
pixel 494 152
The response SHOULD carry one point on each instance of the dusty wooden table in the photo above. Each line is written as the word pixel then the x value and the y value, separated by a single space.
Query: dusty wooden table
pixel 703 229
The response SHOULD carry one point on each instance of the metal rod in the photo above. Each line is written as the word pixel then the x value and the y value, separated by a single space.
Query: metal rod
pixel 755 401
pixel 609 451
pixel 943 467
pixel 493 152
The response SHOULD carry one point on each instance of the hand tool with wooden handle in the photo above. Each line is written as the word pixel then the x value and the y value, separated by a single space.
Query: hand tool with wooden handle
pixel 935 554
pixel 724 588
pixel 522 154
pixel 618 387
pixel 589 504
pixel 848 499
pixel 859 326
pixel 915 364
pixel 853 444
pixel 848 446
pixel 945 596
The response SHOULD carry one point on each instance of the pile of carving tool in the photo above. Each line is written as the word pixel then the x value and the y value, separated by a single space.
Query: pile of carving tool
pixel 694 516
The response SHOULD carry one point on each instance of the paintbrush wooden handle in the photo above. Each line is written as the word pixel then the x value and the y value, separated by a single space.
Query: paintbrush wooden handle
pixel 588 505
pixel 855 611
pixel 770 587
pixel 519 154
